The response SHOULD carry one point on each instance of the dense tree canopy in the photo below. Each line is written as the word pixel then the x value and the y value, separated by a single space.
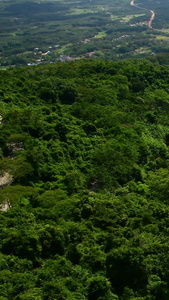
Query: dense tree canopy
pixel 84 164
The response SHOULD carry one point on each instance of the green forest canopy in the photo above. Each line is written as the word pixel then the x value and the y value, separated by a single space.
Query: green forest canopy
pixel 86 144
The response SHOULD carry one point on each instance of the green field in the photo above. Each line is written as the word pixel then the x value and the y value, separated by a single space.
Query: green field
pixel 130 17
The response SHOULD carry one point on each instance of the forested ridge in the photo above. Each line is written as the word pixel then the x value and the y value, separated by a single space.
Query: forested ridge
pixel 85 149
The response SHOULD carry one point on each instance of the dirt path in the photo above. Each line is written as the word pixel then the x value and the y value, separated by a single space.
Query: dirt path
pixel 149 23
pixel 151 19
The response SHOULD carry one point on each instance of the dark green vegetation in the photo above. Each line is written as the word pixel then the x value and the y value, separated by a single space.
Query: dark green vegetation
pixel 87 146
pixel 40 32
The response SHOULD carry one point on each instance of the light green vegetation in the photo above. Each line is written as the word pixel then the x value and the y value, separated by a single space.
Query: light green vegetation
pixel 63 48
pixel 162 37
pixel 113 17
pixel 143 50
pixel 100 35
pixel 79 11
pixel 130 17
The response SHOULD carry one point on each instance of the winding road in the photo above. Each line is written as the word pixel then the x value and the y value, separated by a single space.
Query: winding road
pixel 149 23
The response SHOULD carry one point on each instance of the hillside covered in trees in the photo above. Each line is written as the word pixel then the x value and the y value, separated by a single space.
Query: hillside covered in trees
pixel 84 147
